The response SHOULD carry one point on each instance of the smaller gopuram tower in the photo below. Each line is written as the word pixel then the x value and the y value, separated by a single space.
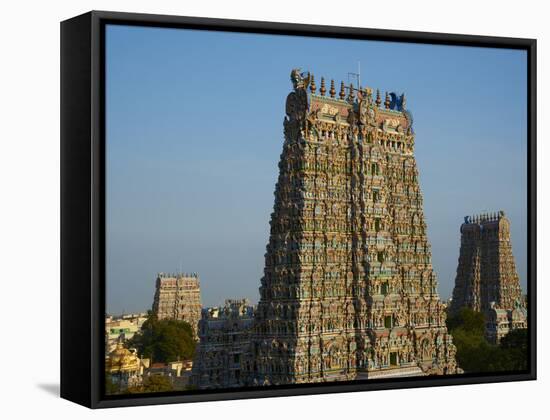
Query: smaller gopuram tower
pixel 178 296
pixel 467 290
pixel 486 276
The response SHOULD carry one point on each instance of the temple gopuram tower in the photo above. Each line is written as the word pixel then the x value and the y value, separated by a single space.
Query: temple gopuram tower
pixel 178 297
pixel 348 290
pixel 486 277
pixel 486 270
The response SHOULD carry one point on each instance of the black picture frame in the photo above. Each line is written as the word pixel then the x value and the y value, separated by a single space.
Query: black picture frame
pixel 83 199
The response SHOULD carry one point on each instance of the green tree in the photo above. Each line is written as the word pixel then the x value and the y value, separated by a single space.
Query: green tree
pixel 472 350
pixel 467 328
pixel 475 354
pixel 469 320
pixel 164 340
pixel 154 383
pixel 516 345
pixel 516 339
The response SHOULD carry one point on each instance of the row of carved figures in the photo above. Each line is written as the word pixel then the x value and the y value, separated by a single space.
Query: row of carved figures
pixel 391 100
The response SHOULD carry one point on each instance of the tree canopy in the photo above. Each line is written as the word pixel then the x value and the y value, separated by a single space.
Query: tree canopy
pixel 154 383
pixel 164 340
pixel 516 345
pixel 468 320
pixel 476 354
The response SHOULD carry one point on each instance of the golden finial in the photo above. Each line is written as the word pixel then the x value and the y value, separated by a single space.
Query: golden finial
pixel 332 90
pixel 378 99
pixel 312 86
pixel 351 93
pixel 387 101
pixel 323 89
pixel 342 91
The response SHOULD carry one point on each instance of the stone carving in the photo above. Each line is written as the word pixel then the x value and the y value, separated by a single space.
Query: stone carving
pixel 299 80
pixel 397 103
pixel 330 110
pixel 390 124
pixel 367 113
pixel 296 105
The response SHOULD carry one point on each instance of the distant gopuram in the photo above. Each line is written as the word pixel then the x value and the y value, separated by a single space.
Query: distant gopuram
pixel 178 296
pixel 486 277
pixel 348 290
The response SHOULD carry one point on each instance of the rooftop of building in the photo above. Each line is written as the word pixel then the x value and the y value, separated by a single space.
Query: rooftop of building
pixel 347 93
pixel 178 275
pixel 387 111
pixel 484 218
pixel 232 308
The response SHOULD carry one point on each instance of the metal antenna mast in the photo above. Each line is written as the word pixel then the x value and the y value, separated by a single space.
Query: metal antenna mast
pixel 356 75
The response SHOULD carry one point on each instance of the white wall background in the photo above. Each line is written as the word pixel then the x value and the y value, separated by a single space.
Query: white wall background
pixel 29 210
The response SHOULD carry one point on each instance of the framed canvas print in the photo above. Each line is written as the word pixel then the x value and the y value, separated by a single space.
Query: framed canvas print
pixel 255 209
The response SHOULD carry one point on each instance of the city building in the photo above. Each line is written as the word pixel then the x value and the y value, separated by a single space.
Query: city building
pixel 224 348
pixel 178 372
pixel 122 327
pixel 178 296
pixel 348 290
pixel 486 277
pixel 125 369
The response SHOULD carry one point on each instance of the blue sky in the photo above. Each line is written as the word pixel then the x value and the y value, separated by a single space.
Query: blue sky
pixel 194 136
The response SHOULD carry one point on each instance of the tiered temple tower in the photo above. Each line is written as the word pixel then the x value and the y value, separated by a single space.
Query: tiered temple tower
pixel 178 296
pixel 486 270
pixel 486 276
pixel 348 290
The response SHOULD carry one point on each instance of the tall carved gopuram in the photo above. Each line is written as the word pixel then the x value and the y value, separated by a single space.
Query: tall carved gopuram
pixel 178 296
pixel 348 290
pixel 486 277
